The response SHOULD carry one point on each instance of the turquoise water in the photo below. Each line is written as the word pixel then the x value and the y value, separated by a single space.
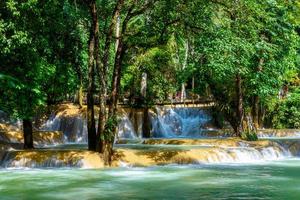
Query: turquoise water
pixel 272 180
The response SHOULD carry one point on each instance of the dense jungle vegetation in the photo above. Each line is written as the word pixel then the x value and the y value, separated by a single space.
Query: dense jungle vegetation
pixel 242 54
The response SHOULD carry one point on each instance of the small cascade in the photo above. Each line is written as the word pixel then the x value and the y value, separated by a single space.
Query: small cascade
pixel 14 124
pixel 162 155
pixel 179 122
pixel 130 123
pixel 126 128
pixel 73 127
pixel 245 155
pixel 51 159
pixel 283 133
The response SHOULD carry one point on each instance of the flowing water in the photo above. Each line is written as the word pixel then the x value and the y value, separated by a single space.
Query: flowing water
pixel 74 127
pixel 166 122
pixel 271 180
pixel 217 169
pixel 179 122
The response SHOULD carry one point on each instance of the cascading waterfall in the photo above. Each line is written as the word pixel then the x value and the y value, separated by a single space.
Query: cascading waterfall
pixel 73 127
pixel 179 122
pixel 162 155
pixel 126 128
pixel 246 155
pixel 165 122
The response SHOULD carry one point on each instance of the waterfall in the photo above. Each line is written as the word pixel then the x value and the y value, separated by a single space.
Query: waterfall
pixel 165 122
pixel 126 128
pixel 162 154
pixel 179 122
pixel 73 127
pixel 245 155
pixel 144 157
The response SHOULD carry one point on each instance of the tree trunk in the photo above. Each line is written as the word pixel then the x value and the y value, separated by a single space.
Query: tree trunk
pixel 27 132
pixel 91 86
pixel 80 95
pixel 255 112
pixel 193 89
pixel 116 81
pixel 146 123
pixel 112 112
pixel 116 78
pixel 183 91
pixel 255 106
pixel 239 104
pixel 103 78
pixel 261 115
pixel 144 85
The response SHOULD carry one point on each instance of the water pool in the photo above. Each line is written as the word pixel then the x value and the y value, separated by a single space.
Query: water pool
pixel 268 180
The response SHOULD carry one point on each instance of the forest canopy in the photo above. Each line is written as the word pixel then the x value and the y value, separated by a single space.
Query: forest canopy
pixel 242 54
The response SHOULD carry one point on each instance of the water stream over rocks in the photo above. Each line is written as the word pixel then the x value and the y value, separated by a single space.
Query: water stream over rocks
pixel 178 137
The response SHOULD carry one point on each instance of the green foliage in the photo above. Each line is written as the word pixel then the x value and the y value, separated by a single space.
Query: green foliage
pixel 44 53
pixel 110 128
pixel 249 136
pixel 161 80
pixel 40 45
pixel 287 112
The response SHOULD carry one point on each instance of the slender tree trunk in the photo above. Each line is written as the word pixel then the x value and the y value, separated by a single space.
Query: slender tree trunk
pixel 146 123
pixel 80 95
pixel 118 21
pixel 27 132
pixel 103 78
pixel 91 86
pixel 239 103
pixel 255 111
pixel 183 91
pixel 193 89
pixel 143 91
pixel 261 114
pixel 116 79
pixel 117 69
pixel 255 106
pixel 112 112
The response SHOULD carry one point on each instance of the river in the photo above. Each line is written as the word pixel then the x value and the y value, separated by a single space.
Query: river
pixel 266 180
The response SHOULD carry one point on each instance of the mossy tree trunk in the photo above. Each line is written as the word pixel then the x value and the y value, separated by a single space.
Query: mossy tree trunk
pixel 103 77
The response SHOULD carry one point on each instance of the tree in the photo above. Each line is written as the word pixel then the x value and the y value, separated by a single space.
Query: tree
pixel 243 58
pixel 37 57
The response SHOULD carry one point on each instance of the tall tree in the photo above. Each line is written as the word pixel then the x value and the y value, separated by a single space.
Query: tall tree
pixel 93 54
